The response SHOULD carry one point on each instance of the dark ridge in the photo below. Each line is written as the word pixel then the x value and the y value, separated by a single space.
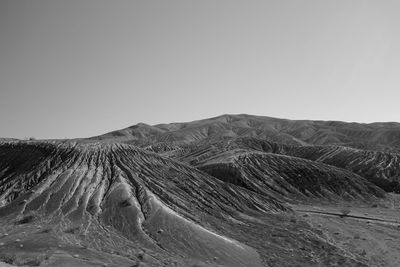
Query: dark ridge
pixel 290 178
pixel 380 168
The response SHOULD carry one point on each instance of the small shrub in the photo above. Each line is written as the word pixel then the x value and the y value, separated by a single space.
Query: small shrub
pixel 345 211
pixel 26 219
pixel 45 231
pixel 72 230
pixel 8 258
pixel 197 264
pixel 34 263
pixel 125 203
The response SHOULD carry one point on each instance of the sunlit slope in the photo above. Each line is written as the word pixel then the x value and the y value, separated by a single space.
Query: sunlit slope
pixel 138 193
pixel 101 204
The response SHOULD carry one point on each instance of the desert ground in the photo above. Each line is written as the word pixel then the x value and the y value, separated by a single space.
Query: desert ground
pixel 234 190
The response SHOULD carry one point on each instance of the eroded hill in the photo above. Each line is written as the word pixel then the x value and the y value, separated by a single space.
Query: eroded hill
pixel 379 168
pixel 117 205
pixel 225 191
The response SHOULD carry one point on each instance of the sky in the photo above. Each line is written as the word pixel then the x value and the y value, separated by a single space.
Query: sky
pixel 81 68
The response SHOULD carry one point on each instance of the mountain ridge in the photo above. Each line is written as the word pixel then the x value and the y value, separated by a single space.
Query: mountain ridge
pixel 383 136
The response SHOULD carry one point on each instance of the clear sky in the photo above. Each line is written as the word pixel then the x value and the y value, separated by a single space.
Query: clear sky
pixel 80 68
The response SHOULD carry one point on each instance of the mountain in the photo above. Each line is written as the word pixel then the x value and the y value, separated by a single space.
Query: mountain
pixel 225 191
pixel 373 136
pixel 375 145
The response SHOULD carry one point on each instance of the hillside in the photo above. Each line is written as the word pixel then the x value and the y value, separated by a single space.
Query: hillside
pixel 289 178
pixel 381 168
pixel 135 192
pixel 373 136
pixel 262 166
pixel 234 190
pixel 115 204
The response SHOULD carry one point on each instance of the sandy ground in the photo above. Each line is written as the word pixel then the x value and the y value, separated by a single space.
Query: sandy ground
pixel 374 234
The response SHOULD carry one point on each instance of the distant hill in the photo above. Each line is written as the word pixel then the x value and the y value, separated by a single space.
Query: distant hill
pixel 372 136
pixel 371 151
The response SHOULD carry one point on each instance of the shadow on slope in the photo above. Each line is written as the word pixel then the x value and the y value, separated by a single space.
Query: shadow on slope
pixel 290 177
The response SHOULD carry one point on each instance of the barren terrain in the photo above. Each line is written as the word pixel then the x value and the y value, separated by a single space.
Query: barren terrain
pixel 235 190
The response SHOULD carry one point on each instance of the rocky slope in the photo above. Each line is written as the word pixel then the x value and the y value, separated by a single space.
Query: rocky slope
pixel 92 204
pixel 214 192
pixel 381 168
pixel 265 167
pixel 136 192
pixel 375 136
pixel 290 178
